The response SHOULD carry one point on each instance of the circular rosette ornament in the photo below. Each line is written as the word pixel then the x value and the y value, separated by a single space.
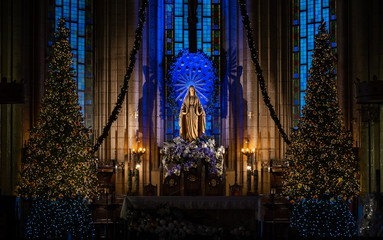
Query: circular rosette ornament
pixel 192 69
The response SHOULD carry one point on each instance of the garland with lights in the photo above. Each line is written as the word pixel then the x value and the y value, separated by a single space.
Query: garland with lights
pixel 124 89
pixel 175 70
pixel 261 80
pixel 323 218
pixel 56 220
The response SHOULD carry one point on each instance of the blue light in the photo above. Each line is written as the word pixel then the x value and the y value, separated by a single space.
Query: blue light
pixel 193 69
pixel 323 218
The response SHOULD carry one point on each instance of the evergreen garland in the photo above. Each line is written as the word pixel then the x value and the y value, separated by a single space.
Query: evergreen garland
pixel 124 89
pixel 261 80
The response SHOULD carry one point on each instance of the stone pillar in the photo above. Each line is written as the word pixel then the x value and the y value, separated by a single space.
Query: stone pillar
pixel 115 24
pixel 22 59
pixel 360 57
pixel 254 127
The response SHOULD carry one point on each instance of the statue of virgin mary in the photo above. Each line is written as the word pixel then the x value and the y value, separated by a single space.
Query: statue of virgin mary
pixel 192 117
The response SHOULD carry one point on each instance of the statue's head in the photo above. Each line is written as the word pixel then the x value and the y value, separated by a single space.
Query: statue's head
pixel 192 91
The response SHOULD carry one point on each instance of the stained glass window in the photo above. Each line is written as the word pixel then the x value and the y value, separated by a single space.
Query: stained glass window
pixel 78 14
pixel 307 15
pixel 208 40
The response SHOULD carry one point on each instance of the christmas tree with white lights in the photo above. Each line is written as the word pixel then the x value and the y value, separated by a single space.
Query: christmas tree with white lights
pixel 58 169
pixel 320 158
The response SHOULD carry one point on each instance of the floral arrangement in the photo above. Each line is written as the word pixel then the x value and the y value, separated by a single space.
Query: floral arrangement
pixel 179 155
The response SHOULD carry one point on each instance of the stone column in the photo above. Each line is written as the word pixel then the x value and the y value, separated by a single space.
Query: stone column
pixel 115 24
pixel 22 59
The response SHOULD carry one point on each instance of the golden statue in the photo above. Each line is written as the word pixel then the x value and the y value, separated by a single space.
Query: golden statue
pixel 192 117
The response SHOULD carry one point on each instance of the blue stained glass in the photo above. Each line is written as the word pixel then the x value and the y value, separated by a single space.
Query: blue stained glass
pixel 73 35
pixel 199 39
pixel 81 4
pixel 333 44
pixel 303 77
pixel 186 38
pixel 310 11
pixel 326 13
pixel 178 8
pixel 81 77
pixel 186 24
pixel 178 29
pixel 169 16
pixel 310 36
pixel 81 23
pixel 81 99
pixel 81 50
pixel 302 98
pixel 318 10
pixel 199 16
pixel 59 2
pixel 74 59
pixel 207 48
pixel 177 47
pixel 206 8
pixel 303 4
pixel 310 59
pixel 303 51
pixel 66 8
pixel 310 16
pixel 207 29
pixel 73 11
pixel 58 15
pixel 303 24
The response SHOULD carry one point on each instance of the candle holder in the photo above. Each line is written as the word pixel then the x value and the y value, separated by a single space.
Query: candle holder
pixel 137 153
pixel 249 153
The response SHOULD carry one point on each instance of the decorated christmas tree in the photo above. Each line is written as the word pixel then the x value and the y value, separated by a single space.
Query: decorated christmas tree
pixel 320 158
pixel 58 164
